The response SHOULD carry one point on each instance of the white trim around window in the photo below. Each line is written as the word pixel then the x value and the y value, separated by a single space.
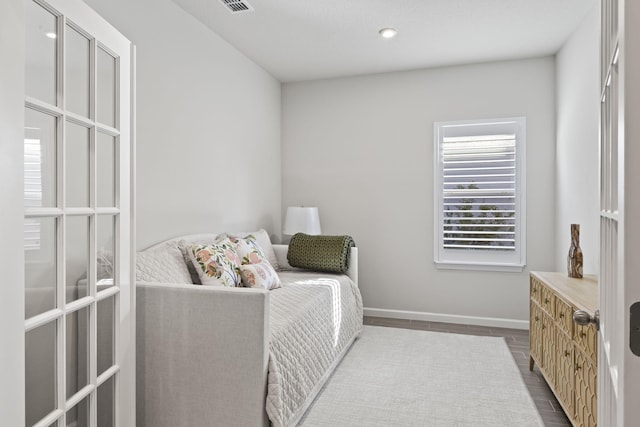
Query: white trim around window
pixel 479 194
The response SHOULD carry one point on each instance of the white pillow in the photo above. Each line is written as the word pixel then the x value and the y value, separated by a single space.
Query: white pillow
pixel 260 275
pixel 165 265
pixel 263 240
pixel 217 263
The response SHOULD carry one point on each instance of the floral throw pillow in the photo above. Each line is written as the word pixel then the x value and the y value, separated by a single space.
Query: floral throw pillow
pixel 262 238
pixel 260 275
pixel 248 249
pixel 185 247
pixel 217 263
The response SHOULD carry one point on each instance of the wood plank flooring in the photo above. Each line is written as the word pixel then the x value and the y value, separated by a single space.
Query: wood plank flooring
pixel 518 342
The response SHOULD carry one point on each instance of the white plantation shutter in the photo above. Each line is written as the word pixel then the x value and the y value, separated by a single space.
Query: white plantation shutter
pixel 479 174
pixel 479 194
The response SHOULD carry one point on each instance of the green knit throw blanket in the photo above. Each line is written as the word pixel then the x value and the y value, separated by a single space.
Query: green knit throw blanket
pixel 320 253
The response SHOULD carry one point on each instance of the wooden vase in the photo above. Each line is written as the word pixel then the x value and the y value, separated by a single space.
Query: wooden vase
pixel 574 259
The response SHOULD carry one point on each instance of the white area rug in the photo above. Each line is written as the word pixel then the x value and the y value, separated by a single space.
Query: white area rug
pixel 400 377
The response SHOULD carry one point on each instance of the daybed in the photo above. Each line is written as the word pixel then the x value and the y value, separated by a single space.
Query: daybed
pixel 235 356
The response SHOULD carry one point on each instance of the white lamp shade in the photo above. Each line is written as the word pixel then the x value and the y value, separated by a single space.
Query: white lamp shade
pixel 301 219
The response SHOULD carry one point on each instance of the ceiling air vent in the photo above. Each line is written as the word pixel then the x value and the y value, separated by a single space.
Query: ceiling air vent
pixel 237 6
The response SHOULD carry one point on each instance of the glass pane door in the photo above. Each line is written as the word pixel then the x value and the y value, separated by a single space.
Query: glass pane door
pixel 77 218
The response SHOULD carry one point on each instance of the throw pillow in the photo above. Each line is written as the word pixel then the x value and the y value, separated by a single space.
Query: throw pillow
pixel 248 249
pixel 320 253
pixel 184 246
pixel 216 263
pixel 260 275
pixel 164 265
pixel 263 240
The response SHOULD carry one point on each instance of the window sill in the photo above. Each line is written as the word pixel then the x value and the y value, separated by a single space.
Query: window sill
pixel 509 268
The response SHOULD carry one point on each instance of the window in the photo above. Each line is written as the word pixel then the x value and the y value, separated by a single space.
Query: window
pixel 479 194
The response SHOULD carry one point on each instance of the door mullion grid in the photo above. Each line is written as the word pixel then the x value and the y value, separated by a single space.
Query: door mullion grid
pixel 112 214
pixel 615 149
pixel 92 359
pixel 132 207
pixel 50 419
pixel 107 129
pixel 79 120
pixel 56 315
pixel 61 229
pixel 117 243
pixel 117 169
pixel 93 237
pixel 604 151
pixel 80 394
pixel 60 213
pixel 114 371
pixel 116 328
pixel 609 204
pixel 43 107
pixel 42 319
pixel 107 211
pixel 116 121
pixel 107 374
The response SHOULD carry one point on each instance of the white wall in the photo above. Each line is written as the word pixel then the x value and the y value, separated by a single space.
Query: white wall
pixel 361 149
pixel 12 28
pixel 577 164
pixel 208 153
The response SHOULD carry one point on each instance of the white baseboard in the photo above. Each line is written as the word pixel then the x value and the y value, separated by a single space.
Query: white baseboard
pixel 447 318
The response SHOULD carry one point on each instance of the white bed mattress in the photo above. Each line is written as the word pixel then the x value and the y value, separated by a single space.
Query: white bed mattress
pixel 314 319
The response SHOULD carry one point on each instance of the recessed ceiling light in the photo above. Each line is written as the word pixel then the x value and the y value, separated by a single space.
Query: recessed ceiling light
pixel 51 34
pixel 388 33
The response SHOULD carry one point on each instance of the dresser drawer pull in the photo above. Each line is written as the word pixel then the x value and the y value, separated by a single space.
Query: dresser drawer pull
pixel 583 334
pixel 546 300
pixel 561 315
pixel 578 367
pixel 567 353
pixel 537 318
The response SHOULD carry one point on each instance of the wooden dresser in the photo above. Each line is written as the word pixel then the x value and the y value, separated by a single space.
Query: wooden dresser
pixel 565 352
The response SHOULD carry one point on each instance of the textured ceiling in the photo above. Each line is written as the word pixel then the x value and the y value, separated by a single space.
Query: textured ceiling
pixel 298 40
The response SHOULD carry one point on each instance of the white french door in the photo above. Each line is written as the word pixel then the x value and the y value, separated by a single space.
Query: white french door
pixel 79 342
pixel 618 367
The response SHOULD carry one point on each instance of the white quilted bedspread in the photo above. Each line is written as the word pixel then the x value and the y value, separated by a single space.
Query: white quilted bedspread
pixel 314 317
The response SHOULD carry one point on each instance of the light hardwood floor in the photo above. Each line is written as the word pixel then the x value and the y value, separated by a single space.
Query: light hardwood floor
pixel 518 342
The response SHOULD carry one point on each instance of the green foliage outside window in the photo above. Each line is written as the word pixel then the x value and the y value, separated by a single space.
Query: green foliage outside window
pixel 480 229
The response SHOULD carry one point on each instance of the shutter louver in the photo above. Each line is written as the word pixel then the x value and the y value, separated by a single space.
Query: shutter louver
pixel 479 192
pixel 32 190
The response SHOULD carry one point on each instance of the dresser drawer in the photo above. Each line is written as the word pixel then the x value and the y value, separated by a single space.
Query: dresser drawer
pixel 535 332
pixel 549 348
pixel 547 300
pixel 586 386
pixel 585 338
pixel 564 315
pixel 536 289
pixel 565 372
